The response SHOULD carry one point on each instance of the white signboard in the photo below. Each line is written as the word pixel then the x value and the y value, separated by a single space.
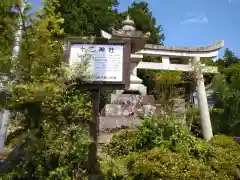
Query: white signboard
pixel 103 62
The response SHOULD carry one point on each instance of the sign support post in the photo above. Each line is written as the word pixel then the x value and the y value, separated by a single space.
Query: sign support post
pixel 93 164
pixel 108 62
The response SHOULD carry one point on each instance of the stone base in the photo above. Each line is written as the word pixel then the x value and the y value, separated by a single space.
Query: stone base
pixel 135 87
pixel 149 110
pixel 112 110
pixel 128 99
pixel 109 124
pixel 139 87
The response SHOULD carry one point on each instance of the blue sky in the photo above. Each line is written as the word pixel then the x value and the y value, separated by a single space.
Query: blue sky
pixel 194 22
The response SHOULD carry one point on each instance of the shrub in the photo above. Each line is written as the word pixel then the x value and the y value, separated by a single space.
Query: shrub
pixel 225 142
pixel 154 132
pixel 226 157
pixel 159 163
pixel 121 144
pixel 166 150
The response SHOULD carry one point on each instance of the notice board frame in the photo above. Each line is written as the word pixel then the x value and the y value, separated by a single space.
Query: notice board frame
pixel 125 42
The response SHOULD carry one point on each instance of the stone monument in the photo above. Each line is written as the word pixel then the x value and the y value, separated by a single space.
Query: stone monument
pixel 128 105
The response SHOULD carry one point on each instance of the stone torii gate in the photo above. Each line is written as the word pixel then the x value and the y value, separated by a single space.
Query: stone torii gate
pixel 194 65
pixel 190 61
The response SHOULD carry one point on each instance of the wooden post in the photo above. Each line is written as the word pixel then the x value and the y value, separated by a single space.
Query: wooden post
pixel 205 121
pixel 94 167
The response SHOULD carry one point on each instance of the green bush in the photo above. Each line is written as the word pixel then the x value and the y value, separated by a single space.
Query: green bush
pixel 121 144
pixel 162 149
pixel 158 163
pixel 193 121
pixel 154 132
pixel 225 142
pixel 226 157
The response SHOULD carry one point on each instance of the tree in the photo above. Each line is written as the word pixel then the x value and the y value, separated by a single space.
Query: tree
pixel 145 21
pixel 50 119
pixel 7 20
pixel 87 17
pixel 229 58
pixel 227 90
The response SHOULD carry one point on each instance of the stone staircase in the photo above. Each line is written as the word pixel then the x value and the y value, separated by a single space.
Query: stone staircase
pixel 126 110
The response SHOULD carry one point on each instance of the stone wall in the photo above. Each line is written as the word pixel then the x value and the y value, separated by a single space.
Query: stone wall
pixel 114 123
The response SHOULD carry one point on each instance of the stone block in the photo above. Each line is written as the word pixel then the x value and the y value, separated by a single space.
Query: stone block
pixel 139 87
pixel 112 110
pixel 149 110
pixel 130 103
pixel 107 123
pixel 125 99
pixel 149 99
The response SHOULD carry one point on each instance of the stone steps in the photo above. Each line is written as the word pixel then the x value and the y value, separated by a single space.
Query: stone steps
pixel 114 123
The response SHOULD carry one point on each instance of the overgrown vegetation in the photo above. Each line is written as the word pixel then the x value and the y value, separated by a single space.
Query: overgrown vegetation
pixel 49 120
pixel 164 149
pixel 50 139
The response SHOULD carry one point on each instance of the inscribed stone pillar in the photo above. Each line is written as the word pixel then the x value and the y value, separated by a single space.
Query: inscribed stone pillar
pixel 205 121
pixel 4 122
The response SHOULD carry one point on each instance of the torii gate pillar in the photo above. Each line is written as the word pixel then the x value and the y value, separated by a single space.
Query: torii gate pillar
pixel 202 101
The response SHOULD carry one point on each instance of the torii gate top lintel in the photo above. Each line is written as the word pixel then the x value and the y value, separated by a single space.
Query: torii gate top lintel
pixel 209 51
pixel 213 47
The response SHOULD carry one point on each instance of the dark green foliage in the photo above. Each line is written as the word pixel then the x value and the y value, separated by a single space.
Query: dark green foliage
pixel 7 21
pixel 175 154
pixel 145 22
pixel 88 17
pixel 163 164
pixel 227 92
pixel 229 58
pixel 121 144
pixel 193 121
pixel 153 132
pixel 49 119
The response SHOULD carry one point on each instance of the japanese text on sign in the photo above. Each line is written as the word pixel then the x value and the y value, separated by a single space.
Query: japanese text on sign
pixel 104 62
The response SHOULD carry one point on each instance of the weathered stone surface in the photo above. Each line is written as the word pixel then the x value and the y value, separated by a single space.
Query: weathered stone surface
pixel 212 47
pixel 149 110
pixel 111 124
pixel 130 103
pixel 128 99
pixel 179 106
pixel 132 34
pixel 112 110
pixel 4 121
pixel 138 87
pixel 149 99
pixel 210 98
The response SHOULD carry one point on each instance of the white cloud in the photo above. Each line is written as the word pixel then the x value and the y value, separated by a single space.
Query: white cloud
pixel 193 18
